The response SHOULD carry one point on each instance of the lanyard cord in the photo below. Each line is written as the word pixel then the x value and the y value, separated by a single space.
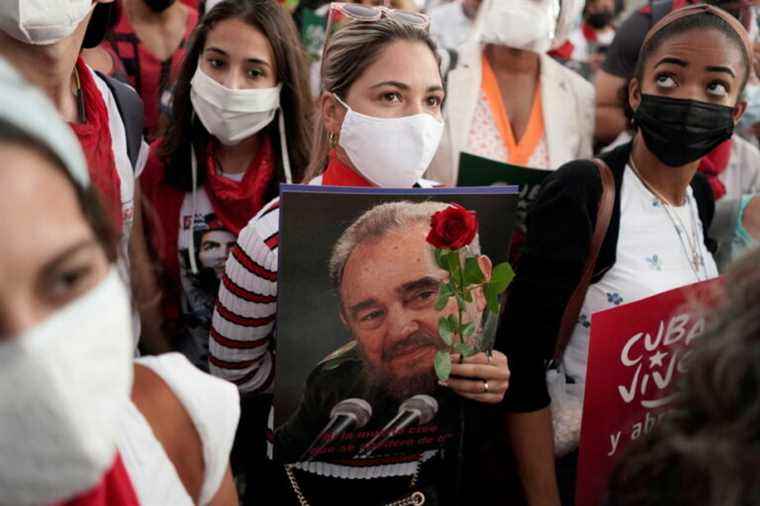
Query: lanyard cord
pixel 690 246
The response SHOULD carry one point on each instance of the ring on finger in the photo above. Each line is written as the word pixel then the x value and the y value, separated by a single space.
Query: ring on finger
pixel 485 386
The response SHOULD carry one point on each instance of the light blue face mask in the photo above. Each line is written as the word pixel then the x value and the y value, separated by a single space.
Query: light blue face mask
pixel 752 114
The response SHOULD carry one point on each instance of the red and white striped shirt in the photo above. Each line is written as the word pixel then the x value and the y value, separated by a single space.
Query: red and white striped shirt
pixel 241 343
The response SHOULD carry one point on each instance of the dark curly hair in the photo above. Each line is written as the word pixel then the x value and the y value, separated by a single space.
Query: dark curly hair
pixel 707 452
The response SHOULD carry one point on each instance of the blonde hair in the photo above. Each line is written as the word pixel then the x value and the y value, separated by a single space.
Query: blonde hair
pixel 348 54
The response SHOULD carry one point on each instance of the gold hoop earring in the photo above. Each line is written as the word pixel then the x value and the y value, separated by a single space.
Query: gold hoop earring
pixel 333 140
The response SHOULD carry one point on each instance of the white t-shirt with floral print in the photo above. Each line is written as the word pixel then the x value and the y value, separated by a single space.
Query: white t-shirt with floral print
pixel 650 259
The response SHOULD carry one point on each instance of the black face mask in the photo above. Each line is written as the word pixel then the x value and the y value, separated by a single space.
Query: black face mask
pixel 599 20
pixel 159 5
pixel 679 131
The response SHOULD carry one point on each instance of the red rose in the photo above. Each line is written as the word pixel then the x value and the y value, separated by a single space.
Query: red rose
pixel 453 228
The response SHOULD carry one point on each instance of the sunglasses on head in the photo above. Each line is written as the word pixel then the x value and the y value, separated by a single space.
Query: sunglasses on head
pixel 342 13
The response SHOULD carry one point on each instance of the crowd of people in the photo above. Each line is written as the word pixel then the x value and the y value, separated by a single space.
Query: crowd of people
pixel 146 142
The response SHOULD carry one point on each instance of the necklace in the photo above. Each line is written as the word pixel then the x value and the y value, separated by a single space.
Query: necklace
pixel 689 241
pixel 79 97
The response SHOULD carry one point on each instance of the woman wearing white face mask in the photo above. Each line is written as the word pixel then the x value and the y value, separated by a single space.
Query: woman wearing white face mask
pixel 240 128
pixel 43 40
pixel 81 423
pixel 508 100
pixel 380 125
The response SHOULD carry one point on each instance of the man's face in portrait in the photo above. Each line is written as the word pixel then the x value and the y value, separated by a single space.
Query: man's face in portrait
pixel 215 248
pixel 388 292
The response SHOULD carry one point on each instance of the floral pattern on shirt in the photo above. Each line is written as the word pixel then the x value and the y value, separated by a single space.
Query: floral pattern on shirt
pixel 614 298
pixel 654 262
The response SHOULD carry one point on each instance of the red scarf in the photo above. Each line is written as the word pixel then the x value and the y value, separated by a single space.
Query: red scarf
pixel 340 174
pixel 114 490
pixel 589 33
pixel 235 203
pixel 95 137
pixel 563 52
pixel 713 166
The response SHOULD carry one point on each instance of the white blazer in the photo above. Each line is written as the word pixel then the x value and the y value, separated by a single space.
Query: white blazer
pixel 567 102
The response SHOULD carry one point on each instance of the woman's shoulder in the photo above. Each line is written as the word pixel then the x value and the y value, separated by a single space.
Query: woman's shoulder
pixel 576 178
pixel 578 183
pixel 554 70
pixel 585 170
pixel 264 226
pixel 193 415
pixel 204 397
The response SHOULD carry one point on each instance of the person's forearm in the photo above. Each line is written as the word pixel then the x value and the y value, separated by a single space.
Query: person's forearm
pixel 610 122
pixel 531 439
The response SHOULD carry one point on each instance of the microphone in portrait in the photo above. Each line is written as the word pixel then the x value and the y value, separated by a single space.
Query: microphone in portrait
pixel 346 415
pixel 417 410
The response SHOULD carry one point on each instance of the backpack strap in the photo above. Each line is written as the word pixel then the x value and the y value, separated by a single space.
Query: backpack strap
pixel 130 107
pixel 603 216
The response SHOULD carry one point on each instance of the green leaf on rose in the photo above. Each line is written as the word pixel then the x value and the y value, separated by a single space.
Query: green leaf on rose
pixel 444 293
pixel 492 297
pixel 468 330
pixel 464 349
pixel 442 365
pixel 440 258
pixel 446 329
pixel 502 276
pixel 472 273
pixel 453 265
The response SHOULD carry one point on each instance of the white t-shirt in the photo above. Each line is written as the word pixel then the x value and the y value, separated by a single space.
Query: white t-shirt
pixel 211 246
pixel 650 259
pixel 212 404
pixel 449 26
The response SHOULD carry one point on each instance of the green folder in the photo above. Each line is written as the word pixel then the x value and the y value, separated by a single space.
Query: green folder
pixel 479 171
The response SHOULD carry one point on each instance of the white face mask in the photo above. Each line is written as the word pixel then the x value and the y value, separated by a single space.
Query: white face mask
pixel 521 24
pixel 232 115
pixel 390 152
pixel 63 387
pixel 42 22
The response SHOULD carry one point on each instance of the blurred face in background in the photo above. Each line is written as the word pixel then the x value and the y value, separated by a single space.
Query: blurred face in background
pixel 599 13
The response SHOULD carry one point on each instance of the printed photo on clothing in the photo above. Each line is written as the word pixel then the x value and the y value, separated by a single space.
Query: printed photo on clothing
pixel 201 259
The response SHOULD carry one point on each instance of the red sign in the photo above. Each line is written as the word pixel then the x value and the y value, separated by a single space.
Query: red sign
pixel 636 352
